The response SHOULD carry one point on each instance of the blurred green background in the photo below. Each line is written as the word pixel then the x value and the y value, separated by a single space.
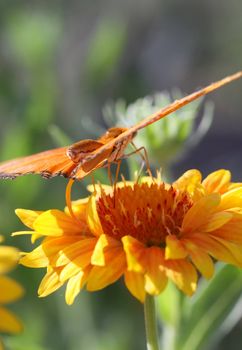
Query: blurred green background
pixel 60 62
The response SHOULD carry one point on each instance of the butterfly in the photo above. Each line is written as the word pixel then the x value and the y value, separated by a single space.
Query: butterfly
pixel 82 158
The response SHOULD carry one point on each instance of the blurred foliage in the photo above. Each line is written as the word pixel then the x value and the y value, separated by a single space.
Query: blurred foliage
pixel 61 61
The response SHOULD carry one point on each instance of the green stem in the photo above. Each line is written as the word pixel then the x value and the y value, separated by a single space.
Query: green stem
pixel 150 323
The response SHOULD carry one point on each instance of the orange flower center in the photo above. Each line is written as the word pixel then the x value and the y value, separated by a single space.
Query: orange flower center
pixel 148 212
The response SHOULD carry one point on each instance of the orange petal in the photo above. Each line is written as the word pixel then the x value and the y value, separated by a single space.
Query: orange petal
pixel 56 223
pixel 28 217
pixel 49 284
pixel 218 181
pixel 93 218
pixel 174 248
pixel 100 276
pixel 155 276
pixel 190 182
pixel 9 323
pixel 199 213
pixel 183 274
pixel 74 286
pixel 10 290
pixel 135 251
pixel 135 284
pixel 104 244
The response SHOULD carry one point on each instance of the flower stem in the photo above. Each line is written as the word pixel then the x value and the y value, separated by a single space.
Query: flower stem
pixel 150 323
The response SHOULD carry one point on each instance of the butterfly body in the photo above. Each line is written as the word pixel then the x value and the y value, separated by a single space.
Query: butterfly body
pixel 75 161
pixel 83 157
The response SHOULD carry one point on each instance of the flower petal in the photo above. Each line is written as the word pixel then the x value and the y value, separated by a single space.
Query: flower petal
pixel 9 323
pixel 56 223
pixel 74 285
pixel 134 254
pixel 190 182
pixel 10 290
pixel 218 181
pixel 155 276
pixel 216 221
pixel 183 274
pixel 231 199
pixel 50 283
pixel 93 218
pixel 200 259
pixel 135 284
pixel 9 257
pixel 174 248
pixel 104 243
pixel 72 251
pixel 199 213
pixel 215 247
pixel 28 217
pixel 102 276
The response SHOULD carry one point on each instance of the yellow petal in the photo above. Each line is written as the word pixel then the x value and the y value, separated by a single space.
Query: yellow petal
pixel 8 258
pixel 104 244
pixel 174 248
pixel 100 276
pixel 135 254
pixel 215 221
pixel 199 213
pixel 200 259
pixel 50 283
pixel 135 284
pixel 93 218
pixel 36 258
pixel 79 248
pixel 232 231
pixel 155 276
pixel 214 247
pixel 234 249
pixel 183 274
pixel 9 323
pixel 56 223
pixel 28 217
pixel 74 286
pixel 10 290
pixel 76 265
pixel 218 181
pixel 231 199
pixel 190 182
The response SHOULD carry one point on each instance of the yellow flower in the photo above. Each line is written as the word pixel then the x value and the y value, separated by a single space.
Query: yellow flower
pixel 148 232
pixel 10 290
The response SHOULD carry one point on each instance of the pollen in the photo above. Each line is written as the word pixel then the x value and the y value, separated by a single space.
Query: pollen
pixel 147 212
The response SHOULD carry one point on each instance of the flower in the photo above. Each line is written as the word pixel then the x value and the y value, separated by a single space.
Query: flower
pixel 10 290
pixel 148 232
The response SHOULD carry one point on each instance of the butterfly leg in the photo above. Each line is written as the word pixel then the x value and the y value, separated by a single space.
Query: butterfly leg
pixel 144 157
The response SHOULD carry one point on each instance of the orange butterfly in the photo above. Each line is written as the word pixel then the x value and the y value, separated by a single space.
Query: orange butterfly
pixel 81 158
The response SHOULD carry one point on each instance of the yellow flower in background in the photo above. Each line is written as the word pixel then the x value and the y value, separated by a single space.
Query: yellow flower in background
pixel 148 232
pixel 10 290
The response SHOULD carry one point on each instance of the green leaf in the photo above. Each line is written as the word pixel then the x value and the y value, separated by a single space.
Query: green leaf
pixel 207 311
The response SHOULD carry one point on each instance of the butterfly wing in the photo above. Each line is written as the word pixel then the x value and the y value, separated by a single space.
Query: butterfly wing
pixel 47 164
